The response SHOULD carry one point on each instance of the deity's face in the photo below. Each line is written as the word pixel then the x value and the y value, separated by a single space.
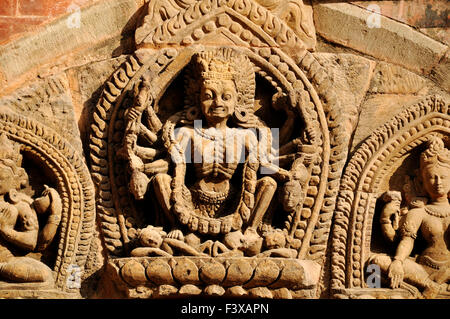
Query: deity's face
pixel 218 100
pixel 7 179
pixel 275 240
pixel 436 180
pixel 138 184
pixel 151 238
pixel 290 196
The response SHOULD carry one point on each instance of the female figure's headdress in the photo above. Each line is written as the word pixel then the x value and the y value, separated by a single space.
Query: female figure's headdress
pixel 435 153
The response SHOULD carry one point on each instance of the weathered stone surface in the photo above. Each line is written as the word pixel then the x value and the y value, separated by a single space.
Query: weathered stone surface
pixel 393 42
pixel 392 79
pixel 189 290
pixel 86 83
pixel 100 21
pixel 260 292
pixel 214 290
pixel 175 215
pixel 133 273
pixel 416 13
pixel 351 76
pixel 440 72
pixel 376 110
pixel 49 101
pixel 439 34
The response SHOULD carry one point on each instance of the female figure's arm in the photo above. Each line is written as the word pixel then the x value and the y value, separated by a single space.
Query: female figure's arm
pixel 9 216
pixel 47 234
pixel 408 233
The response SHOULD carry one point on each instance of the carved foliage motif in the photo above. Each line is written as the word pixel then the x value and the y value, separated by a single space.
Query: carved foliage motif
pixel 164 22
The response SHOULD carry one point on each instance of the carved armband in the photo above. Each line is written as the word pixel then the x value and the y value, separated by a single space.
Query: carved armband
pixel 54 219
pixel 409 229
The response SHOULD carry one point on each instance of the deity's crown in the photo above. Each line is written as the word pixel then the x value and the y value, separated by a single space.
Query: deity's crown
pixel 9 150
pixel 216 68
pixel 436 152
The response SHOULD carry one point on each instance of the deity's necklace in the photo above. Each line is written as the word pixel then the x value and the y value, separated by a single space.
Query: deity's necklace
pixel 438 213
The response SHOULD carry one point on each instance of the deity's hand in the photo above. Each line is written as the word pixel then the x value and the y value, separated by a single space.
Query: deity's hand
pixel 51 192
pixel 281 101
pixel 176 234
pixel 284 175
pixel 143 96
pixel 396 273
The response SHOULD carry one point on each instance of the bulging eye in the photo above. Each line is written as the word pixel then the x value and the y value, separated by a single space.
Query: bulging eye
pixel 207 95
pixel 227 97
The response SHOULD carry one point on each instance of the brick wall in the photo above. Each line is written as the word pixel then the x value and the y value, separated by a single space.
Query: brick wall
pixel 19 16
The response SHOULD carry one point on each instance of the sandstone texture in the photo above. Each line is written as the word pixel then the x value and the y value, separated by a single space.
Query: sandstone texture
pixel 213 149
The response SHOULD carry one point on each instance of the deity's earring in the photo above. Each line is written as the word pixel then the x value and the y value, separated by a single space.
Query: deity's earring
pixel 241 115
pixel 192 113
pixel 13 196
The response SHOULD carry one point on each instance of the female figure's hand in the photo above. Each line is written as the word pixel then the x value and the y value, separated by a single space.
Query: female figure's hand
pixel 396 273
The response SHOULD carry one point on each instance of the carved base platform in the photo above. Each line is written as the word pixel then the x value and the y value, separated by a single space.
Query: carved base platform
pixel 33 291
pixel 165 277
pixel 409 292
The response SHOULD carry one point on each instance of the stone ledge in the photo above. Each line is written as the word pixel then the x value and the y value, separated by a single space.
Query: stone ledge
pixel 33 291
pixel 393 42
pixel 100 21
pixel 156 277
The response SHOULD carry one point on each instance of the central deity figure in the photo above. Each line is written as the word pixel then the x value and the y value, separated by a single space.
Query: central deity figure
pixel 217 132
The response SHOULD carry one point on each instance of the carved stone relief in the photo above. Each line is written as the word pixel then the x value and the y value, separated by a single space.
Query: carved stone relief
pixel 47 211
pixel 392 210
pixel 161 141
pixel 227 148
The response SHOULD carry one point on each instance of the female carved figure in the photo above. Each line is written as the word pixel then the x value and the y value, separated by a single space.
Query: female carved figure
pixel 430 270
pixel 223 86
pixel 19 227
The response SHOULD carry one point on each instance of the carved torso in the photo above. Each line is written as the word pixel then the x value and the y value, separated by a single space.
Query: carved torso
pixel 435 230
pixel 21 217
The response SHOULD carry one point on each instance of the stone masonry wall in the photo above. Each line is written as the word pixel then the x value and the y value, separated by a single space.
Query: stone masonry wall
pixel 21 16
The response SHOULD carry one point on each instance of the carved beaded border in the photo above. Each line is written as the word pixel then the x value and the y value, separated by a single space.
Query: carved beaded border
pixel 74 185
pixel 363 175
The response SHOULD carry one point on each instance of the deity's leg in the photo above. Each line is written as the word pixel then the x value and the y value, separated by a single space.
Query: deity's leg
pixel 414 273
pixel 25 269
pixel 163 192
pixel 265 189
